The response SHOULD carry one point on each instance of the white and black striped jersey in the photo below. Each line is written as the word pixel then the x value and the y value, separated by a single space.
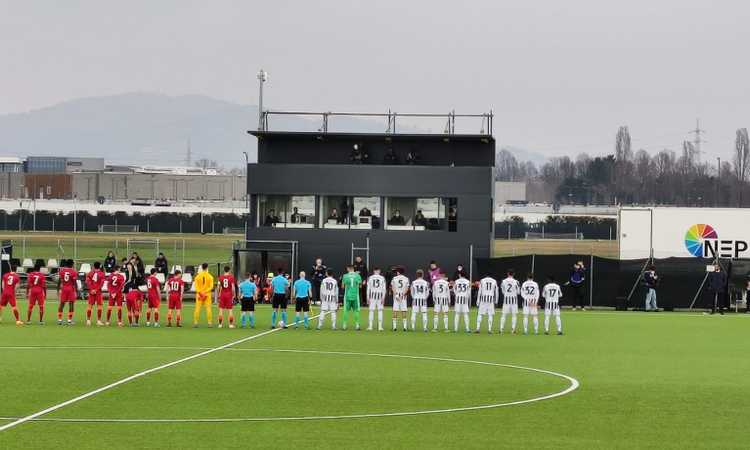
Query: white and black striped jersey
pixel 488 292
pixel 376 287
pixel 420 290
pixel 552 293
pixel 329 290
pixel 400 287
pixel 462 291
pixel 530 292
pixel 441 292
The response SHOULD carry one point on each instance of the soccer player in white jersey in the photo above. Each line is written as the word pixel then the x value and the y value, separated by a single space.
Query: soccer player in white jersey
pixel 552 295
pixel 441 296
pixel 420 291
pixel 400 291
pixel 530 295
pixel 487 298
pixel 511 289
pixel 462 294
pixel 329 299
pixel 376 297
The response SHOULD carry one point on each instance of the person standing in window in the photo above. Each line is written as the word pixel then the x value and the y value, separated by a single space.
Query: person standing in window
pixel 452 219
pixel 296 216
pixel 397 218
pixel 334 215
pixel 365 212
pixel 419 219
pixel 271 218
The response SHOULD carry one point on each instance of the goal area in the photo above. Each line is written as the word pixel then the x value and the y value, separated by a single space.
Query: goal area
pixel 119 228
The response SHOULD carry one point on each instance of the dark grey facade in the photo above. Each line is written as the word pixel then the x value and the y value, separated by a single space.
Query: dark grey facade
pixel 455 168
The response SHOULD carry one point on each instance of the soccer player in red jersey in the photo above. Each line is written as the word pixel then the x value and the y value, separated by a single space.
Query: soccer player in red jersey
pixel 67 290
pixel 134 300
pixel 10 281
pixel 153 294
pixel 175 288
pixel 115 283
pixel 95 281
pixel 36 291
pixel 227 293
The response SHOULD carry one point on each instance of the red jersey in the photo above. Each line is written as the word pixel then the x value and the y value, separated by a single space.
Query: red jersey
pixel 226 284
pixel 37 282
pixel 116 283
pixel 68 278
pixel 95 280
pixel 152 284
pixel 175 286
pixel 10 281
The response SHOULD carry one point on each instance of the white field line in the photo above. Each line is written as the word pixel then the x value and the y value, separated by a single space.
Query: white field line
pixel 53 408
pixel 574 384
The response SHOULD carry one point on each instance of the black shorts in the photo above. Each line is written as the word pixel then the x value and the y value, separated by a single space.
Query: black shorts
pixel 302 304
pixel 248 304
pixel 279 301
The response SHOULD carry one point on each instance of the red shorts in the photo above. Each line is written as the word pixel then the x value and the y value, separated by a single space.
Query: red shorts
pixel 226 301
pixel 154 301
pixel 36 298
pixel 115 299
pixel 68 295
pixel 134 305
pixel 174 302
pixel 95 299
pixel 8 297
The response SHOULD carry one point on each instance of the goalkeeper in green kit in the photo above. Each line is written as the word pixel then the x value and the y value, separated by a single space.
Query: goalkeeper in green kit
pixel 351 283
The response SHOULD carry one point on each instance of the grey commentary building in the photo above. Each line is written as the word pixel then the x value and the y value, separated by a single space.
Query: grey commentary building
pixel 394 199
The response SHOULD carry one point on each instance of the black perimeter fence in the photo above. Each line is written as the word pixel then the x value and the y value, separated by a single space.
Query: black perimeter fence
pixel 609 282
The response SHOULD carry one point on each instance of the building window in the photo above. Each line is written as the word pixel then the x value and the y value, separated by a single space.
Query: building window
pixel 356 213
pixel 286 211
pixel 417 214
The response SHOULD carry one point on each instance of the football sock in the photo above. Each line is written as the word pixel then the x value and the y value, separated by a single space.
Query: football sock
pixel 559 323
pixel 489 321
pixel 99 313
pixel 221 318
pixel 455 322
pixel 242 319
pixel 273 318
pixel 306 319
pixel 536 324
pixel 435 321
pixel 513 322
pixel 372 317
pixel 413 319
pixel 424 321
pixel 320 319
pixel 479 321
pixel 119 314
pixel 404 320
pixel 296 319
pixel 333 319
pixel 283 316
pixel 28 316
pixel 502 322
pixel 156 316
pixel 197 313
pixel 169 317
pixel 59 314
pixel 179 317
pixel 466 321
pixel 88 313
pixel 380 318
pixel 41 314
pixel 525 323
pixel 210 313
pixel 15 313
pixel 546 323
pixel 356 317
pixel 109 313
pixel 445 321
pixel 148 316
pixel 252 319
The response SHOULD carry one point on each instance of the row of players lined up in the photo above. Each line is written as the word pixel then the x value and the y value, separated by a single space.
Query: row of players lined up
pixel 229 292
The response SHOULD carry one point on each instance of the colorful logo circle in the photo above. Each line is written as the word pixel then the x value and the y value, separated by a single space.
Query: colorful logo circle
pixel 696 235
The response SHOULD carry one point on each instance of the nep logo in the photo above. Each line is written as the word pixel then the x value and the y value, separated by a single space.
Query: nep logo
pixel 702 241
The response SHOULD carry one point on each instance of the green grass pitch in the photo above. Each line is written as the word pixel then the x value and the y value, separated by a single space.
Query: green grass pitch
pixel 647 380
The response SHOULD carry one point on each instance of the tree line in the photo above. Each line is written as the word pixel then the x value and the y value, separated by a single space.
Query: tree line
pixel 625 177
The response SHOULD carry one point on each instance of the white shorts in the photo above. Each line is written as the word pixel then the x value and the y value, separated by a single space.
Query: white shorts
pixel 552 308
pixel 399 305
pixel 329 306
pixel 510 308
pixel 461 308
pixel 530 307
pixel 443 305
pixel 376 304
pixel 486 308
pixel 419 306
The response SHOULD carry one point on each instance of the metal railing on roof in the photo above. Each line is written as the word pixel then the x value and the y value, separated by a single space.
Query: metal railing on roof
pixel 391 116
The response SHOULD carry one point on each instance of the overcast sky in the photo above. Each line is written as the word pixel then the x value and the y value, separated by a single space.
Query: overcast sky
pixel 561 76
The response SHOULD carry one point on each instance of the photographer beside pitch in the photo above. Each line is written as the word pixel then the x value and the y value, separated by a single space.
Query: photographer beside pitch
pixel 650 282
pixel 577 282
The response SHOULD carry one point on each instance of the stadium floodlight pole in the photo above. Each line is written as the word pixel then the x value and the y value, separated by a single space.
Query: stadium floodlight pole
pixel 262 78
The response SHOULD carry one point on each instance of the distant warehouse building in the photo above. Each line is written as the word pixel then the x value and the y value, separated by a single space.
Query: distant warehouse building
pixel 62 164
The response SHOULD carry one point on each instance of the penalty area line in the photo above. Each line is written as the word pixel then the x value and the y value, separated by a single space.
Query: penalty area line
pixel 107 387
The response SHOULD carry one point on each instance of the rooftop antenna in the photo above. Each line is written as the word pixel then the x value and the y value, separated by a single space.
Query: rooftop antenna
pixel 189 155
pixel 262 78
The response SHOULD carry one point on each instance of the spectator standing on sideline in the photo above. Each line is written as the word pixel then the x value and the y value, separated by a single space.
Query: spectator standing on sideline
pixel 460 272
pixel 138 264
pixel 577 282
pixel 361 268
pixel 161 265
pixel 650 281
pixel 110 262
pixel 317 275
pixel 717 286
